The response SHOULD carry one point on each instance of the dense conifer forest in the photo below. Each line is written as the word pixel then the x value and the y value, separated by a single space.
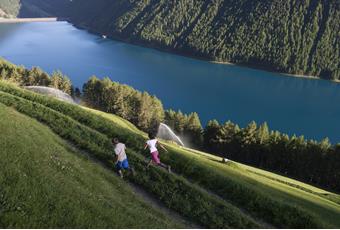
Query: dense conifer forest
pixel 291 36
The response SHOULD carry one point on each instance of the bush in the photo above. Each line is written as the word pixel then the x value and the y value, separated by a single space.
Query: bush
pixel 142 109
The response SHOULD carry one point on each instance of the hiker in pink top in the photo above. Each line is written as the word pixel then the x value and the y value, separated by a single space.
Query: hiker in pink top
pixel 152 145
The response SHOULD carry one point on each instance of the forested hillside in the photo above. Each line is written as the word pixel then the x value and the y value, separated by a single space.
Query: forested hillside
pixel 9 8
pixel 292 36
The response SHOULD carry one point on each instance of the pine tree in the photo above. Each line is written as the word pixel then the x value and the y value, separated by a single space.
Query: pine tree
pixel 56 79
pixel 210 134
pixel 248 134
pixel 263 133
pixel 193 129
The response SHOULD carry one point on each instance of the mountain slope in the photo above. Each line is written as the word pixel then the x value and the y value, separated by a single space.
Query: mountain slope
pixel 250 194
pixel 9 8
pixel 45 183
pixel 299 37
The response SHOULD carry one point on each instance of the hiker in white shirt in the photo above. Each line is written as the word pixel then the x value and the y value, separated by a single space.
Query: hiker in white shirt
pixel 121 160
pixel 152 145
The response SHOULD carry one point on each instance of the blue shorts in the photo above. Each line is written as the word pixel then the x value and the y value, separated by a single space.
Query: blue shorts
pixel 122 165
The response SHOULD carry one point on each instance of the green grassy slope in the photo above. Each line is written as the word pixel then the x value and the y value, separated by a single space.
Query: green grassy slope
pixel 175 192
pixel 292 36
pixel 46 183
pixel 245 194
pixel 324 204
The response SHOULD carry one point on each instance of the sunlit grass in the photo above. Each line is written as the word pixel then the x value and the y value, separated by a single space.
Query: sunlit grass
pixel 260 192
pixel 318 201
pixel 46 183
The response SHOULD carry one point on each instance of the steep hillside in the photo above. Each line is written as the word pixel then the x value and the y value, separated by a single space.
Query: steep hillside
pixel 46 183
pixel 299 37
pixel 203 189
pixel 9 8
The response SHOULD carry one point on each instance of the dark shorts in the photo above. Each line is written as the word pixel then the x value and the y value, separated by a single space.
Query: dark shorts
pixel 122 165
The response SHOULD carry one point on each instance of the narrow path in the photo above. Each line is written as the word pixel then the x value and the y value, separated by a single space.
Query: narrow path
pixel 156 204
pixel 150 199
pixel 141 193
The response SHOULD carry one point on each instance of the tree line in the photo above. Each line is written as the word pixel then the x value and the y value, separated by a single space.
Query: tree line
pixel 140 108
pixel 35 77
pixel 316 162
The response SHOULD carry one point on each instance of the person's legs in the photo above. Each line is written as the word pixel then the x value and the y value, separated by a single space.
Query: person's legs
pixel 155 158
pixel 119 167
pixel 168 167
pixel 150 162
pixel 126 166
pixel 120 173
pixel 157 161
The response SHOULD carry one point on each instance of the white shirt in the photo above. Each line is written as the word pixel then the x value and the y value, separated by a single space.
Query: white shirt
pixel 152 145
pixel 120 151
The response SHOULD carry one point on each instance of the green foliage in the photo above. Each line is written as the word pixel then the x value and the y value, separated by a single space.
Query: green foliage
pixel 34 77
pixel 292 36
pixel 60 81
pixel 253 201
pixel 257 203
pixel 143 110
pixel 188 127
pixel 175 192
pixel 310 161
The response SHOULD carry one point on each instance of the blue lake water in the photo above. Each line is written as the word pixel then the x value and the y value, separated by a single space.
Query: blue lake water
pixel 223 92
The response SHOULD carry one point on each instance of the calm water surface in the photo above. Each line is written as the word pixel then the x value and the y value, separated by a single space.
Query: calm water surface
pixel 225 92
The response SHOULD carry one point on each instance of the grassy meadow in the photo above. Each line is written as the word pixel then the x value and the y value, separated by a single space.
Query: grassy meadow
pixel 47 183
pixel 323 205
pixel 210 193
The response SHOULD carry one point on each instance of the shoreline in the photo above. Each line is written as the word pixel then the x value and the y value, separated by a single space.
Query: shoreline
pixel 22 20
pixel 164 49
pixel 184 54
pixel 310 77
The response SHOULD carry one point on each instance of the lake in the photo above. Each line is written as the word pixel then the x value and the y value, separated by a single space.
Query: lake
pixel 224 92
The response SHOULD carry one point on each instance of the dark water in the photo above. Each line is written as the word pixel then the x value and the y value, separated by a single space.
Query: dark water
pixel 291 105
